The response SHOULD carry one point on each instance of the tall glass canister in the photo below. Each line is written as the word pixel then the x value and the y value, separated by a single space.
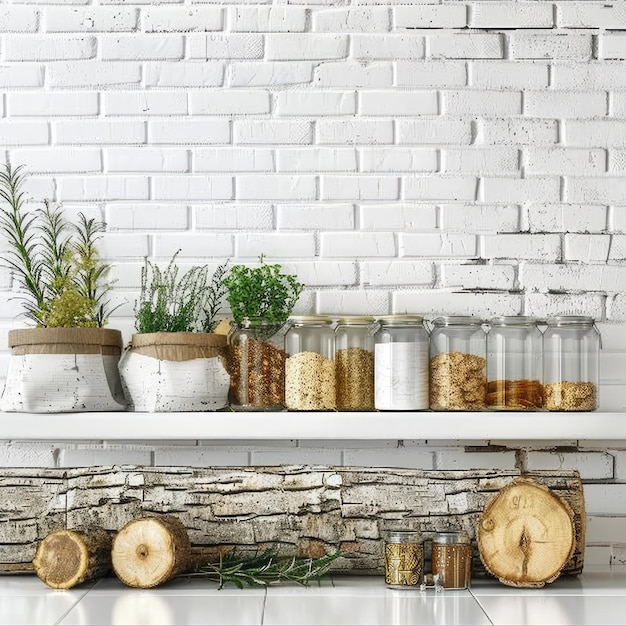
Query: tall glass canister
pixel 354 363
pixel 310 364
pixel 514 364
pixel 458 364
pixel 401 364
pixel 571 356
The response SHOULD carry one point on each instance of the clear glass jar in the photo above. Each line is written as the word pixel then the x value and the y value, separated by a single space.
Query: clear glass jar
pixel 451 559
pixel 310 364
pixel 354 363
pixel 256 364
pixel 401 364
pixel 571 356
pixel 514 364
pixel 458 364
pixel 404 560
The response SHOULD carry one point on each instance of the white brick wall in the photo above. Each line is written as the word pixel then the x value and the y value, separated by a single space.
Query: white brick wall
pixel 459 157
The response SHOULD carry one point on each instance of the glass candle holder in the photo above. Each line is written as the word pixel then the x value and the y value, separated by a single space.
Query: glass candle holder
pixel 451 559
pixel 404 560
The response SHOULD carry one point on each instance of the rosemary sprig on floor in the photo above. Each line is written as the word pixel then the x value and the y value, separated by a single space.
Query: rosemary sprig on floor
pixel 266 568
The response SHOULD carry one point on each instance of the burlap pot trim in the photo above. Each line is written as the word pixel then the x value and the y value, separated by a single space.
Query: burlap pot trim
pixel 65 341
pixel 179 346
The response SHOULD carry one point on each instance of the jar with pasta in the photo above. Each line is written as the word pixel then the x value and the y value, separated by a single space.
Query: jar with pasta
pixel 310 364
pixel 458 364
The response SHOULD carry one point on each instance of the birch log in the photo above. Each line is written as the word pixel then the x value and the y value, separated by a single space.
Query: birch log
pixel 297 510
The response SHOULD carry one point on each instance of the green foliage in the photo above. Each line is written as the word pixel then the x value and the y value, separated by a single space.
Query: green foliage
pixel 266 568
pixel 261 292
pixel 169 303
pixel 56 262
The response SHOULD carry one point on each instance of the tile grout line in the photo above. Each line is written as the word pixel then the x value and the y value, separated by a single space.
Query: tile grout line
pixel 480 605
pixel 263 608
pixel 71 608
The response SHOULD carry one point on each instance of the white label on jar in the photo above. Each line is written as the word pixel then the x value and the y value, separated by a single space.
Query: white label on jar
pixel 401 376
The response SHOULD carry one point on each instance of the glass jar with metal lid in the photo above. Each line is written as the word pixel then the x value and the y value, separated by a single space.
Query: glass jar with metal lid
pixel 354 363
pixel 571 355
pixel 451 559
pixel 458 364
pixel 401 364
pixel 310 364
pixel 514 364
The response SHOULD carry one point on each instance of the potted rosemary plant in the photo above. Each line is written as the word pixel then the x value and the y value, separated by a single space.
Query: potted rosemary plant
pixel 175 362
pixel 66 360
pixel 261 300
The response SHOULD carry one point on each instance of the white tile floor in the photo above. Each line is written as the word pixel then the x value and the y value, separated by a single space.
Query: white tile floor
pixel 597 597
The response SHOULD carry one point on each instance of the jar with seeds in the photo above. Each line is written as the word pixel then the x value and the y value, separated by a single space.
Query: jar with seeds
pixel 310 364
pixel 571 351
pixel 458 364
pixel 354 363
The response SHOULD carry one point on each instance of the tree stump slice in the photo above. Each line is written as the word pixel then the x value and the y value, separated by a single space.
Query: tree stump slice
pixel 526 534
pixel 66 558
pixel 150 551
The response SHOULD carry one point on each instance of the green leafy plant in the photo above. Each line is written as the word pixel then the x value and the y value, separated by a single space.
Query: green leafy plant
pixel 172 303
pixel 266 568
pixel 261 292
pixel 55 261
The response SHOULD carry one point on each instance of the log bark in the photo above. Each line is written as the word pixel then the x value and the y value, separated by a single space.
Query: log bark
pixel 66 558
pixel 526 535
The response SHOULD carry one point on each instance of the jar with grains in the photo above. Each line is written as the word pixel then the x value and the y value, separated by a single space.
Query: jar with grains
pixel 514 364
pixel 354 363
pixel 256 364
pixel 310 364
pixel 571 355
pixel 458 364
pixel 401 364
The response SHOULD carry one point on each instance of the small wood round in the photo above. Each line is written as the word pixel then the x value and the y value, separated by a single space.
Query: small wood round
pixel 526 534
pixel 150 551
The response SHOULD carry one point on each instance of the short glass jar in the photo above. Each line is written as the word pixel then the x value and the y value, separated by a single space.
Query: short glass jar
pixel 571 356
pixel 514 364
pixel 401 364
pixel 404 559
pixel 458 364
pixel 310 364
pixel 354 363
pixel 451 559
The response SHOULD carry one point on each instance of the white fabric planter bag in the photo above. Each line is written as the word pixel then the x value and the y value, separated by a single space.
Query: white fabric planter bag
pixel 175 372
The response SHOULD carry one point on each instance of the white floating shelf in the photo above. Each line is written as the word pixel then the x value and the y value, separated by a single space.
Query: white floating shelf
pixel 313 425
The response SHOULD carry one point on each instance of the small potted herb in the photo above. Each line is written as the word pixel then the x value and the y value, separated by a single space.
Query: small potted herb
pixel 175 361
pixel 261 300
pixel 66 360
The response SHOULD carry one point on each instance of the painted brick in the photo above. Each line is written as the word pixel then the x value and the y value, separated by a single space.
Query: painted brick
pixel 619 219
pixel 507 15
pixel 480 217
pixel 509 75
pixel 565 161
pixel 359 188
pixel 29 133
pixel 21 75
pixel 30 454
pixel 189 131
pixel 618 106
pixel 618 248
pixel 278 19
pixel 399 160
pixel 602 529
pixel 316 160
pixel 192 187
pixel 596 190
pixel 500 277
pixel 147 217
pixel 617 312
pixel 316 103
pixel 360 19
pixel 613 46
pixel 353 75
pixel 470 46
pixel 592 15
pixel 413 458
pixel 605 75
pixel 518 132
pixel 233 217
pixel 323 273
pixel 270 132
pixel 564 218
pixel 58 160
pixel 587 248
pixel 572 277
pixel 266 73
pixel 296 456
pixel 121 246
pixel 89 19
pixel 534 189
pixel 284 245
pixel 489 103
pixel 142 47
pixel 184 74
pixel 93 74
pixel 354 132
pixel 357 244
pixel 233 160
pixel 431 73
pixel 229 102
pixel 523 246
pixel 16 19
pixel 437 245
pixel 193 245
pixel 440 188
pixel 389 273
pixel 304 47
pixel 559 45
pixel 87 456
pixel 166 19
pixel 369 302
pixel 595 133
pixel 543 305
pixel 398 217
pixel 392 46
pixel 231 46
pixel 48 48
pixel 402 103
pixel 434 131
pixel 145 103
pixel 52 104
pixel 275 187
pixel 99 131
pixel 480 161
pixel 315 216
pixel 103 188
pixel 564 104
pixel 430 16
pixel 195 456
pixel 144 159
pixel 459 460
